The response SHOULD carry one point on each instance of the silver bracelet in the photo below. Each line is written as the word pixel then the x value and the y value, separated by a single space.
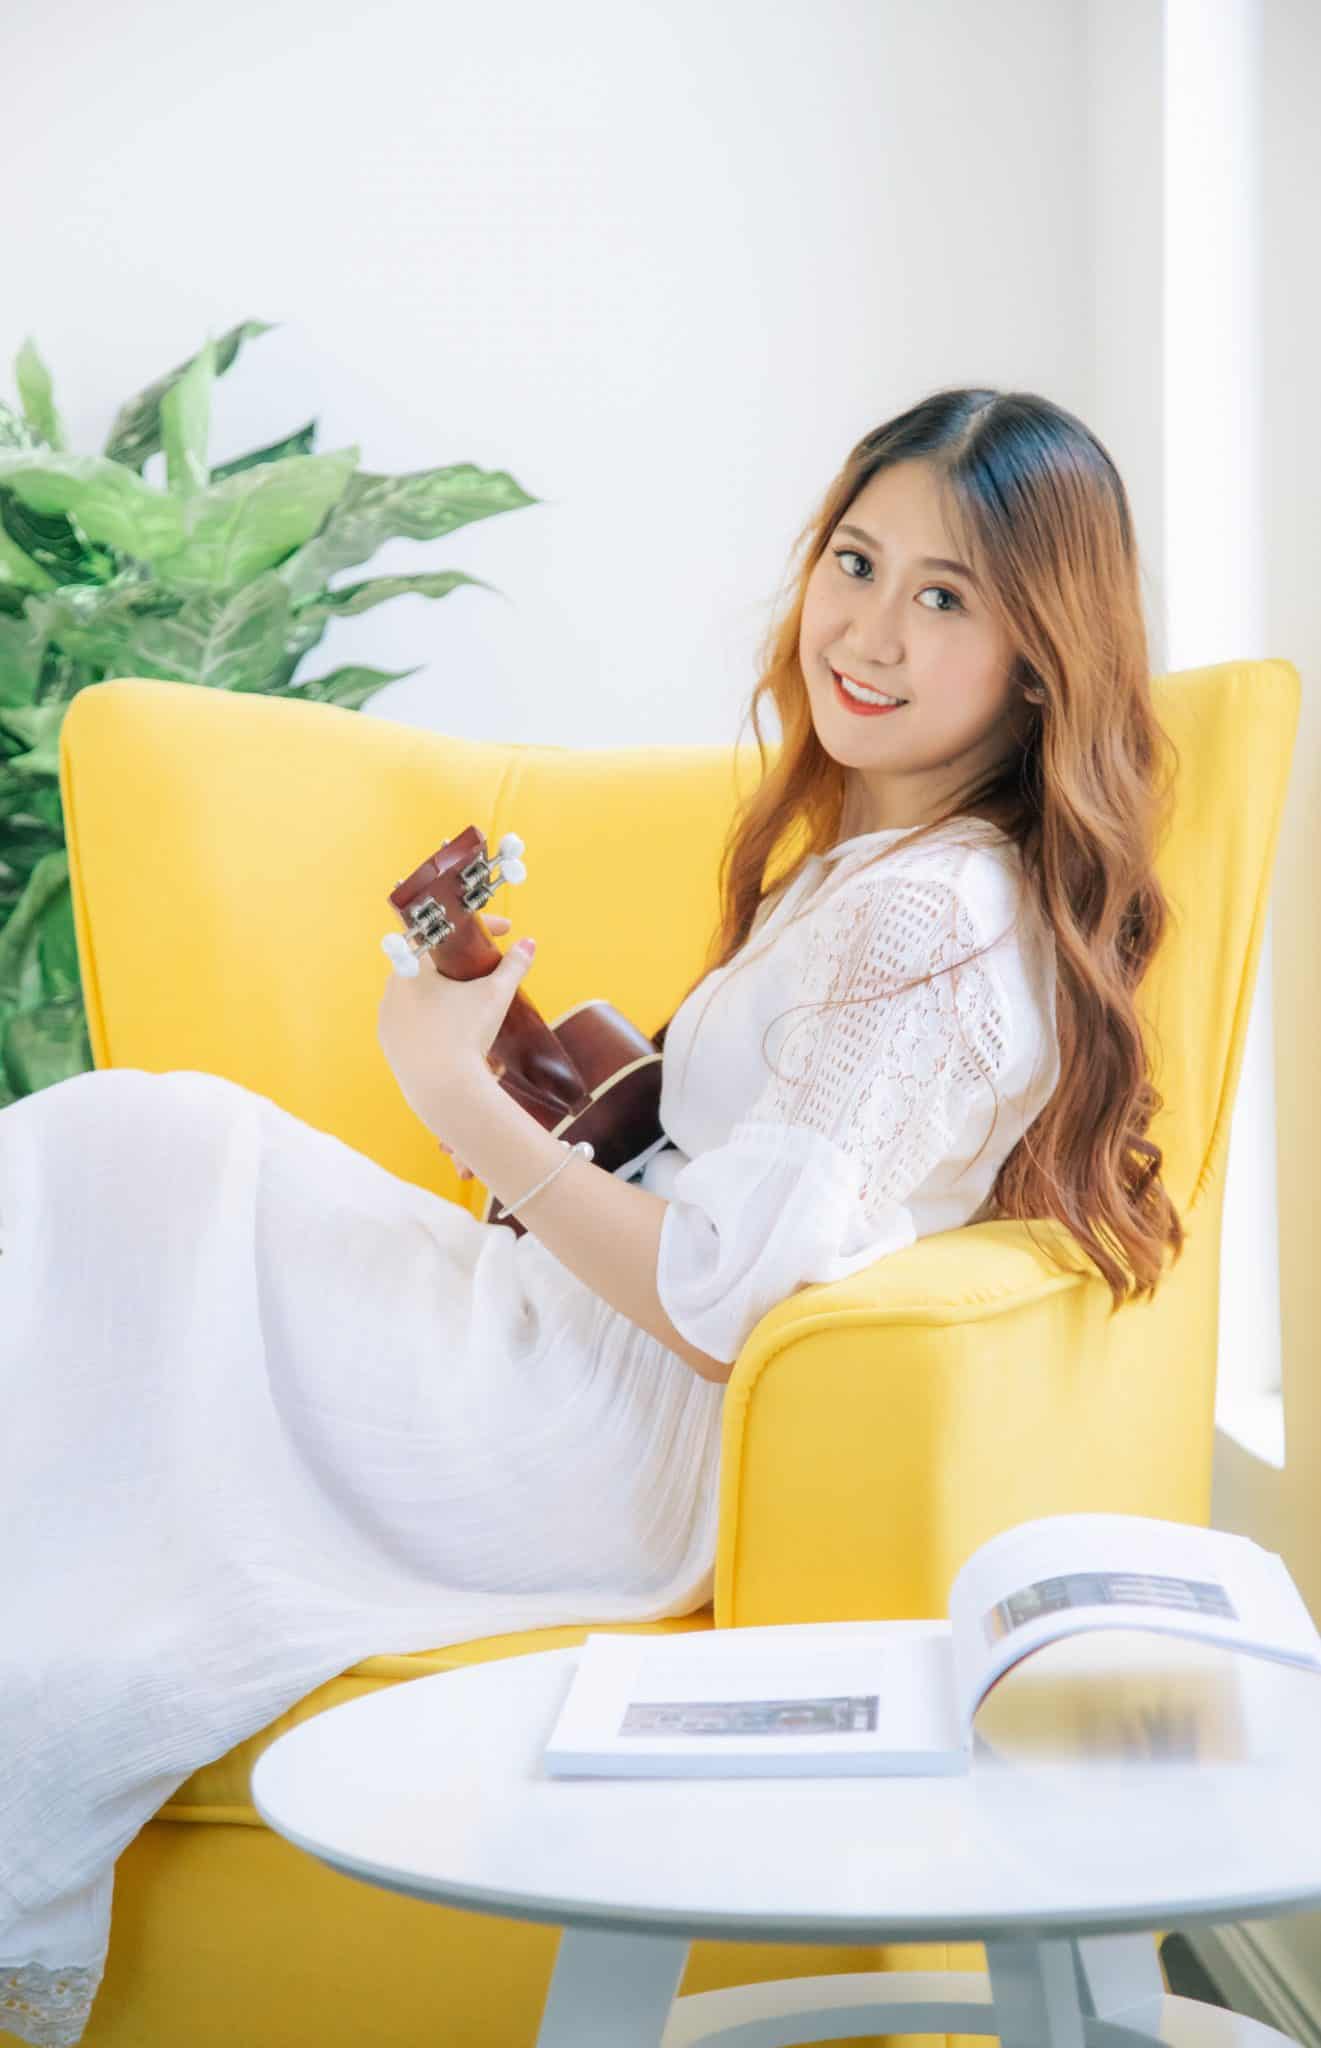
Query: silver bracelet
pixel 587 1151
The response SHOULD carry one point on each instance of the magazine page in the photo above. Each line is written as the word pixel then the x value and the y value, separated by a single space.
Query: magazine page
pixel 824 1690
pixel 1061 1574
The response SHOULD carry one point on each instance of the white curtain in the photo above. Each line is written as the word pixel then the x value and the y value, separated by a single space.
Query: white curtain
pixel 1215 565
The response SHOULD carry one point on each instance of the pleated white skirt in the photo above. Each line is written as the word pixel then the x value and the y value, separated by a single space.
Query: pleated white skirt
pixel 266 1409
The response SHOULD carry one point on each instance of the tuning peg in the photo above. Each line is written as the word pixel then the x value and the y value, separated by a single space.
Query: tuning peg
pixel 507 853
pixel 405 960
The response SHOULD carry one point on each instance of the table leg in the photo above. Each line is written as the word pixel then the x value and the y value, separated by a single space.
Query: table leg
pixel 1034 1990
pixel 1116 1971
pixel 611 1990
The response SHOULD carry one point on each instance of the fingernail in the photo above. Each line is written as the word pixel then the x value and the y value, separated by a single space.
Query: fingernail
pixel 528 946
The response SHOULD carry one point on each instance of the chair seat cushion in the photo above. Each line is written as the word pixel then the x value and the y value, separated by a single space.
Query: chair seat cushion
pixel 222 1790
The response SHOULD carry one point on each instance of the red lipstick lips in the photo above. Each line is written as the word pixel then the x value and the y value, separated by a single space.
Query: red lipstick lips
pixel 863 710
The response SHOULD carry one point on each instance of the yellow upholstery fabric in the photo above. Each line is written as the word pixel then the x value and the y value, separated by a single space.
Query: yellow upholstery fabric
pixel 875 1430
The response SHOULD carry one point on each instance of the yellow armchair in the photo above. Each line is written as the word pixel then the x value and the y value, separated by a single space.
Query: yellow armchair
pixel 874 1431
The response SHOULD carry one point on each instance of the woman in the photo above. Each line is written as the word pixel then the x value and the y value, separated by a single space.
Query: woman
pixel 270 1409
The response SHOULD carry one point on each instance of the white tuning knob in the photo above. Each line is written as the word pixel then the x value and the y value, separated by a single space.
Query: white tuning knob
pixel 507 853
pixel 401 953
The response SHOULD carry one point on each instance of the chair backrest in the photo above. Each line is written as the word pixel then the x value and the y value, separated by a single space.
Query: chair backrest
pixel 231 856
pixel 1234 725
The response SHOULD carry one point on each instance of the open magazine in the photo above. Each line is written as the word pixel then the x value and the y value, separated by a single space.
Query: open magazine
pixel 860 1698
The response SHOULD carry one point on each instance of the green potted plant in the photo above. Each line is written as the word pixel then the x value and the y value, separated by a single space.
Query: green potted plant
pixel 220 579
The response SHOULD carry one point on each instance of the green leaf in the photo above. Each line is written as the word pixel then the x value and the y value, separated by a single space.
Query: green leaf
pixel 225 641
pixel 136 432
pixel 220 580
pixel 94 623
pixel 58 549
pixel 37 726
pixel 186 425
pixel 57 946
pixel 310 619
pixel 36 394
pixel 14 429
pixel 20 662
pixel 301 443
pixel 353 598
pixel 350 688
pixel 19 568
pixel 420 506
pixel 43 807
pixel 21 979
pixel 248 523
pixel 107 502
pixel 43 1047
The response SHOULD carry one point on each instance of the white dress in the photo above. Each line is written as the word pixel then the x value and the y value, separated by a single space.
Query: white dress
pixel 267 1409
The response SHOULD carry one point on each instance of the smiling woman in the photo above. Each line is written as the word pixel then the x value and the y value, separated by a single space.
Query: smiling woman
pixel 975 557
pixel 285 1409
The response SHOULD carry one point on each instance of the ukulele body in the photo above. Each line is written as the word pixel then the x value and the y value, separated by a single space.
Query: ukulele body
pixel 619 1106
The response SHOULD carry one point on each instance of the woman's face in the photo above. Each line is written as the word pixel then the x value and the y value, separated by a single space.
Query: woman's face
pixel 894 622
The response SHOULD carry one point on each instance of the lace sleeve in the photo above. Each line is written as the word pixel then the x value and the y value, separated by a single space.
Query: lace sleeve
pixel 889 1077
pixel 872 1084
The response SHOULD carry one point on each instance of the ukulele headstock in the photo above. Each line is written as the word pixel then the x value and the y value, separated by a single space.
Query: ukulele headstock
pixel 439 902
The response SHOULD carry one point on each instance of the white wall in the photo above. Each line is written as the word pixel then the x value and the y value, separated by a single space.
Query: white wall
pixel 663 262
pixel 1215 559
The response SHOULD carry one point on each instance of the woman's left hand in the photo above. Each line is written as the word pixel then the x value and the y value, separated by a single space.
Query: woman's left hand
pixel 436 1033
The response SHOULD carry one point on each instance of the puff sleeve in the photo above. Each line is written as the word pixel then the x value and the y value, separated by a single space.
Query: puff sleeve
pixel 861 1103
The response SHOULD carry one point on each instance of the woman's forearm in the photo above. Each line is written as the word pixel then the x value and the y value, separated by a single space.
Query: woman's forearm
pixel 605 1230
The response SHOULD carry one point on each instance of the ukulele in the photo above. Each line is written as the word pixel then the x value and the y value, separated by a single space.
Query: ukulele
pixel 588 1074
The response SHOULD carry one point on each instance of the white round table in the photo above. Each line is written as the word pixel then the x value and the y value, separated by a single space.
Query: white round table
pixel 435 1788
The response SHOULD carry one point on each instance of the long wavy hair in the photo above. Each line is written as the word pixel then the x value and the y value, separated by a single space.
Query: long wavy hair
pixel 1084 794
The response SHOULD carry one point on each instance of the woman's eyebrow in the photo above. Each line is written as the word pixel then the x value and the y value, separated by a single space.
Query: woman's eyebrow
pixel 928 561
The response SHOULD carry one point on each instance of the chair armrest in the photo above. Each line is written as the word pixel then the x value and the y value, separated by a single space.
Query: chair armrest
pixel 877 1429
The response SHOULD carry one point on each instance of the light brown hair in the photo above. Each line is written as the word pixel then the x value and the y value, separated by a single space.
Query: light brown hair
pixel 1037 507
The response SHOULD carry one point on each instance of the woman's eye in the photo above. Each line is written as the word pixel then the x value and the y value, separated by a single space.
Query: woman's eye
pixel 956 603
